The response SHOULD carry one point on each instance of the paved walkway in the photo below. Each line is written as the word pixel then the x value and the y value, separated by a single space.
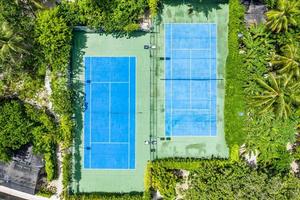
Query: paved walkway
pixel 19 194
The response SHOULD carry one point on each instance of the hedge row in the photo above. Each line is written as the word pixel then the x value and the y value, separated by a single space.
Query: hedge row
pixel 234 98
pixel 106 196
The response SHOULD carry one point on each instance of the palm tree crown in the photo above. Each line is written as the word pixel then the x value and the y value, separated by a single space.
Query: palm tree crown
pixel 279 20
pixel 277 94
pixel 12 45
pixel 289 61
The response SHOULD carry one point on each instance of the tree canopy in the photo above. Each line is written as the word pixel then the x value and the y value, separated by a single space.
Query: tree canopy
pixel 15 128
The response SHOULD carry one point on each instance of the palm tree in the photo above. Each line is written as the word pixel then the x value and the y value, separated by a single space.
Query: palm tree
pixel 277 94
pixel 12 45
pixel 285 15
pixel 289 61
pixel 32 5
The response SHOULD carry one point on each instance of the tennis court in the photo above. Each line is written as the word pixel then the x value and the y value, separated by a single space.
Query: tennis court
pixel 190 79
pixel 109 118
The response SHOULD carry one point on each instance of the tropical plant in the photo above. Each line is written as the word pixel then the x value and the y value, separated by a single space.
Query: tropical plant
pixel 289 61
pixel 268 138
pixel 32 6
pixel 12 44
pixel 278 93
pixel 283 16
pixel 257 45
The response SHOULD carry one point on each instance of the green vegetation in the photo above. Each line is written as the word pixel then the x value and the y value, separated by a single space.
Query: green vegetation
pixel 153 6
pixel 216 179
pixel 272 92
pixel 15 128
pixel 234 110
pixel 284 16
pixel 46 192
pixel 23 124
pixel 262 85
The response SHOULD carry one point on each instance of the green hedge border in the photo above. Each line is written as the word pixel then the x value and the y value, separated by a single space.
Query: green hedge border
pixel 234 97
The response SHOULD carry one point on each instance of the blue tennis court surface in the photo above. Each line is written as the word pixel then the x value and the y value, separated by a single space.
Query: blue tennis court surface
pixel 190 79
pixel 109 119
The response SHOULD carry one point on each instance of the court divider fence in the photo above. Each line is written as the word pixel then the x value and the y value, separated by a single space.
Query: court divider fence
pixel 153 87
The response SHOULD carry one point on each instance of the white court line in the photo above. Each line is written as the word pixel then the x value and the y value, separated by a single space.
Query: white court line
pixel 90 115
pixel 210 77
pixel 171 62
pixel 110 142
pixel 189 23
pixel 190 68
pixel 128 152
pixel 196 49
pixel 108 82
pixel 109 112
pixel 192 109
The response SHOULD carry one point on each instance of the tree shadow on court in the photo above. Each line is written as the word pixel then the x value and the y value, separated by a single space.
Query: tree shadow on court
pixel 120 34
pixel 79 43
pixel 200 6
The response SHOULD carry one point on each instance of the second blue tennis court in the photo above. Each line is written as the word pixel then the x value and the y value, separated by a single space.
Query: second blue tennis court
pixel 190 79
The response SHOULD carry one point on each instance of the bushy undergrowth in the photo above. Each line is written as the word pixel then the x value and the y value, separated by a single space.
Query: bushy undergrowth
pixel 219 179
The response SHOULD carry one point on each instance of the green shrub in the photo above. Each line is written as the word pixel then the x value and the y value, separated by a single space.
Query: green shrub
pixel 163 180
pixel 131 27
pixel 153 5
pixel 15 129
pixel 105 196
pixel 54 36
pixel 148 181
pixel 46 192
pixel 234 110
pixel 50 165
pixel 235 153
pixel 67 169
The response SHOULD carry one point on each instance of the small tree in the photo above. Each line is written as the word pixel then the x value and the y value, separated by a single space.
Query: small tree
pixel 15 128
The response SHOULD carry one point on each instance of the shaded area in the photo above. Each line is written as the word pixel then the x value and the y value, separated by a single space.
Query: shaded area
pixel 196 6
pixel 22 172
pixel 4 196
pixel 79 40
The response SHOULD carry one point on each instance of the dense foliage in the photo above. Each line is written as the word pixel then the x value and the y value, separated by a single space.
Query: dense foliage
pixel 24 124
pixel 15 128
pixel 271 86
pixel 218 179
